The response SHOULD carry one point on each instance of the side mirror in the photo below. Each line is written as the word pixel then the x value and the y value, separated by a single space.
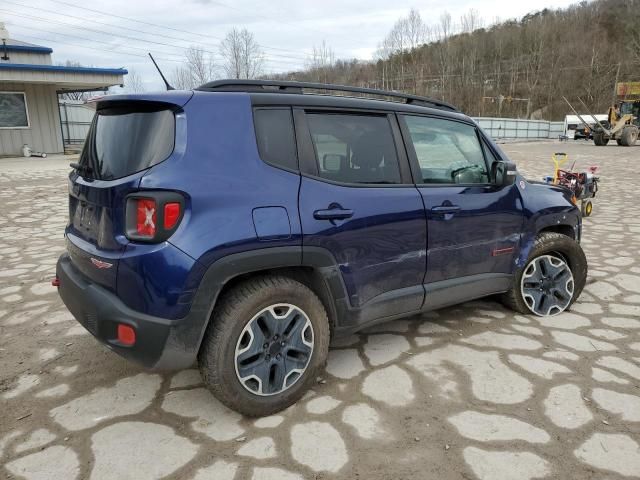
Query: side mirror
pixel 503 173
pixel 332 162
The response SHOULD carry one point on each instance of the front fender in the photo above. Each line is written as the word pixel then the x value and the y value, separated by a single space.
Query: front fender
pixel 546 207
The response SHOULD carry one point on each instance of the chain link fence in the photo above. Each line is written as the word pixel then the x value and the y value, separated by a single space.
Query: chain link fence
pixel 517 129
pixel 76 120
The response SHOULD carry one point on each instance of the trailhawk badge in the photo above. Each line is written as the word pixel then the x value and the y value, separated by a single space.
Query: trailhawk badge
pixel 100 264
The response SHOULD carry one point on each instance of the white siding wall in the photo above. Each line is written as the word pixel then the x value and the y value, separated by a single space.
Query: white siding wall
pixel 44 133
pixel 28 57
pixel 72 79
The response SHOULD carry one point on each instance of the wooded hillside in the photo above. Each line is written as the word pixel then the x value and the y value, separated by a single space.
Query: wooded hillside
pixel 513 68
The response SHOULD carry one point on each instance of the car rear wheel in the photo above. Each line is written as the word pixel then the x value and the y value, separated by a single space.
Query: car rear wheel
pixel 552 279
pixel 266 344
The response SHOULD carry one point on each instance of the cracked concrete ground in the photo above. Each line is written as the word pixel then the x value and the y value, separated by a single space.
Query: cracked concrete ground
pixel 469 392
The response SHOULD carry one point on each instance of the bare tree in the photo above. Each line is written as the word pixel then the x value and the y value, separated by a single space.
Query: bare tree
pixel 518 67
pixel 470 21
pixel 201 65
pixel 322 59
pixel 133 82
pixel 198 68
pixel 182 79
pixel 443 47
pixel 415 32
pixel 243 56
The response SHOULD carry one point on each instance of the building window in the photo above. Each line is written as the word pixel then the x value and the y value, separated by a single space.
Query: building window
pixel 13 110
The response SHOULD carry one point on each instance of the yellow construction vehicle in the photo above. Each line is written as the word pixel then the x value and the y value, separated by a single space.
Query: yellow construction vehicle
pixel 623 122
pixel 623 125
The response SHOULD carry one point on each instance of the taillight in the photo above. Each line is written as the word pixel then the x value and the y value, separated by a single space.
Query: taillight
pixel 153 216
pixel 171 215
pixel 146 217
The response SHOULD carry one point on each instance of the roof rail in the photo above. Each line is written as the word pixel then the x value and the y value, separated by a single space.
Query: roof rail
pixel 280 86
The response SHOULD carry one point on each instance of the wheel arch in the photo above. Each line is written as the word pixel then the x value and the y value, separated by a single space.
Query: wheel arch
pixel 528 240
pixel 563 229
pixel 317 270
pixel 310 276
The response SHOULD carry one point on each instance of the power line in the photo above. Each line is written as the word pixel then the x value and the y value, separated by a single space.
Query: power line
pixel 271 19
pixel 41 39
pixel 137 39
pixel 161 26
pixel 125 28
pixel 143 50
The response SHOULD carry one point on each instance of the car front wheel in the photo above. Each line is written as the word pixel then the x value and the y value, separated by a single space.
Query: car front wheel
pixel 552 279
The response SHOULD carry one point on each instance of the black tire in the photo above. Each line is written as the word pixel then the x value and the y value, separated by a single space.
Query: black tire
pixel 600 139
pixel 628 136
pixel 217 356
pixel 586 208
pixel 555 244
pixel 619 142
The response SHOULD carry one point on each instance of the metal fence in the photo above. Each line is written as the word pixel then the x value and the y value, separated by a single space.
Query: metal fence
pixel 511 128
pixel 75 119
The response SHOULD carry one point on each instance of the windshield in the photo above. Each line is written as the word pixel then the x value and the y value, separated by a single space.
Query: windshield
pixel 126 140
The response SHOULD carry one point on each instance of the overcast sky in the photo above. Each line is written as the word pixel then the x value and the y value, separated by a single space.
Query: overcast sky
pixel 106 34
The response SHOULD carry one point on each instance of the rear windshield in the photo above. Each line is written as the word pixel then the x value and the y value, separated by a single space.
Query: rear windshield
pixel 127 139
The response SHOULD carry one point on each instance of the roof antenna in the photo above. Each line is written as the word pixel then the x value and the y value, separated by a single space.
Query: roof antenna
pixel 169 87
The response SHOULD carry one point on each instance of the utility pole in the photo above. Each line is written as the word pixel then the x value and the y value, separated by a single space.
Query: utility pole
pixel 615 86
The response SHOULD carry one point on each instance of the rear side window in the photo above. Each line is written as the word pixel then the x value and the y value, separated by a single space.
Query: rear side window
pixel 126 140
pixel 354 148
pixel 447 151
pixel 276 138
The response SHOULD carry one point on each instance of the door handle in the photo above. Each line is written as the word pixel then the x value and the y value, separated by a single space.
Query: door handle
pixel 445 209
pixel 333 214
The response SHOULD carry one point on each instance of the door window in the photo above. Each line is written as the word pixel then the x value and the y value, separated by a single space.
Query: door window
pixel 354 148
pixel 447 151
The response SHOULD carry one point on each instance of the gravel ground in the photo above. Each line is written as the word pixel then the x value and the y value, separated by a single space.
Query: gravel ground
pixel 470 392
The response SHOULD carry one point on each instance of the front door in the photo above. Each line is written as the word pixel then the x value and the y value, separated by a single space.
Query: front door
pixel 473 225
pixel 358 202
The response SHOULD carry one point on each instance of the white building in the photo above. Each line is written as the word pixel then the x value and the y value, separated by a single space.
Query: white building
pixel 29 89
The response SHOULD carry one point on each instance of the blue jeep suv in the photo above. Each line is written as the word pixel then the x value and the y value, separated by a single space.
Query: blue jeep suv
pixel 244 224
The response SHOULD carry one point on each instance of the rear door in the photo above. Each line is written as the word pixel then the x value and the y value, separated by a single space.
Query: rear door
pixel 124 140
pixel 473 225
pixel 358 202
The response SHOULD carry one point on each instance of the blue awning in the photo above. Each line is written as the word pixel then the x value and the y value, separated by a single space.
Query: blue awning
pixel 26 48
pixel 60 68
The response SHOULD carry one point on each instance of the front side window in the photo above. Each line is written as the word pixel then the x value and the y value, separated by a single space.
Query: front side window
pixel 354 148
pixel 447 151
pixel 13 110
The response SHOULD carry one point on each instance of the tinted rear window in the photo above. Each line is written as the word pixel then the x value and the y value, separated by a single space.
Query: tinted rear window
pixel 126 140
pixel 276 139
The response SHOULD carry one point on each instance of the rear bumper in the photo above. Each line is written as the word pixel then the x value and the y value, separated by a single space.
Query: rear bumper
pixel 160 343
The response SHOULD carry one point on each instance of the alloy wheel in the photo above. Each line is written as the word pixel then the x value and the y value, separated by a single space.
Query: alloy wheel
pixel 274 349
pixel 547 285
